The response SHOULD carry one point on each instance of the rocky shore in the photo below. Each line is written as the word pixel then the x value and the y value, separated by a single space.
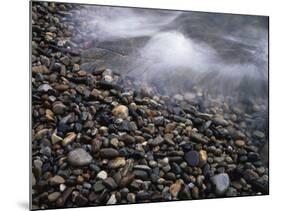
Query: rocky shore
pixel 98 138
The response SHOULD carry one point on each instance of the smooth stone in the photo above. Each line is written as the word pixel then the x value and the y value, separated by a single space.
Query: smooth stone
pixel 79 157
pixel 102 175
pixel 121 111
pixel 258 134
pixel 117 162
pixel 65 60
pixel 59 108
pixel 54 196
pixel 221 182
pixel 112 199
pixel 143 195
pixel 239 143
pixel 143 167
pixel 156 141
pixel 141 174
pixel 131 197
pixel 250 175
pixel 44 88
pixel 175 188
pixel 197 137
pixel 69 138
pixel 192 158
pixel 81 201
pixel 110 183
pixel 203 157
pixel 55 138
pixel 56 180
pixel 98 186
pixel 108 153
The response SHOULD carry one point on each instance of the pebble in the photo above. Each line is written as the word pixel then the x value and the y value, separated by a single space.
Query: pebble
pixel 79 157
pixel 192 158
pixel 98 186
pixel 156 141
pixel 258 134
pixel 121 111
pixel 58 108
pixel 55 138
pixel 143 195
pixel 54 196
pixel 69 138
pixel 56 180
pixel 175 188
pixel 44 88
pixel 240 143
pixel 131 197
pixel 117 162
pixel 102 175
pixel 221 182
pixel 110 183
pixel 112 199
pixel 109 153
pixel 203 157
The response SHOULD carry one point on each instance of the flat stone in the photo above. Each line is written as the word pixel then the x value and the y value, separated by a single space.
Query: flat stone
pixel 192 158
pixel 108 153
pixel 197 137
pixel 56 180
pixel 54 196
pixel 40 69
pixel 221 182
pixel 143 167
pixel 121 111
pixel 79 157
pixel 258 134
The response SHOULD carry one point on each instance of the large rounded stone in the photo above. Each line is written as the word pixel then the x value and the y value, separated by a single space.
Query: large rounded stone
pixel 221 182
pixel 79 157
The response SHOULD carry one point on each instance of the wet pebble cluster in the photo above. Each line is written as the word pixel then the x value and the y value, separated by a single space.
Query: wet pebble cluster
pixel 96 140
